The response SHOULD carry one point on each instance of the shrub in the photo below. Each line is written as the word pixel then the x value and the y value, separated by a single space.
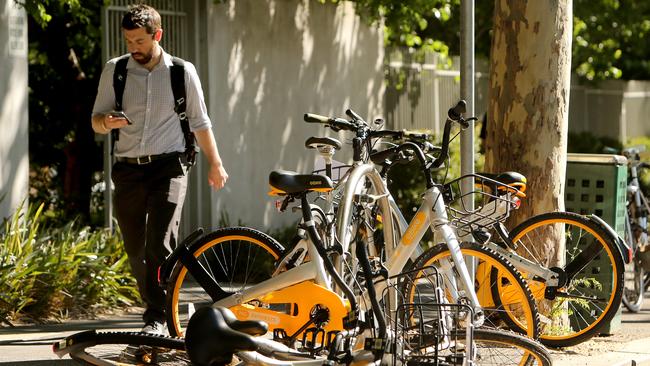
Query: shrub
pixel 49 272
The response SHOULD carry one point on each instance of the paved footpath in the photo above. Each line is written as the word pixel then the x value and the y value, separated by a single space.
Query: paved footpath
pixel 32 345
pixel 629 345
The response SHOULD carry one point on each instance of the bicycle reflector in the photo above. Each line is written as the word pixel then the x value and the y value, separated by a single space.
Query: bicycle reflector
pixel 516 202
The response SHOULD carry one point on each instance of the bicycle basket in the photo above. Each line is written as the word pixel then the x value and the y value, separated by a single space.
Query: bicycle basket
pixel 492 200
pixel 424 325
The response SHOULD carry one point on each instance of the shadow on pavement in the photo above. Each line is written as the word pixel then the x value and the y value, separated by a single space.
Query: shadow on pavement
pixel 41 363
pixel 131 321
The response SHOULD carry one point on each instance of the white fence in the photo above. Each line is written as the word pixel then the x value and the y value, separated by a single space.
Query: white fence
pixel 617 109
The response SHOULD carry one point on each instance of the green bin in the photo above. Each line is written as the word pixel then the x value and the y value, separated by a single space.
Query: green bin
pixel 596 184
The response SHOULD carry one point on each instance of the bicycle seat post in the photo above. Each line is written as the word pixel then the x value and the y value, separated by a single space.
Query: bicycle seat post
pixel 327 152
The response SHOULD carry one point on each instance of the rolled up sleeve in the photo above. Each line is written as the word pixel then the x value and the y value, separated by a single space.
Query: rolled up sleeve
pixel 196 110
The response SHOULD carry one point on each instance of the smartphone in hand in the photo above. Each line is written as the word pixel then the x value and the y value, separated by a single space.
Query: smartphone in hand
pixel 120 114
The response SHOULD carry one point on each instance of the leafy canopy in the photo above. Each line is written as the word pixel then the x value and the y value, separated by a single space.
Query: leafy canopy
pixel 610 36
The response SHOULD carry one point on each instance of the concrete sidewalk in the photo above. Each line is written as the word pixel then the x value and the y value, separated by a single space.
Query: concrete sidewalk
pixel 629 345
pixel 32 345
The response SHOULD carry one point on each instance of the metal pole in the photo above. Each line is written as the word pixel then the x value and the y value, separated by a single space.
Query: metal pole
pixel 467 76
pixel 108 159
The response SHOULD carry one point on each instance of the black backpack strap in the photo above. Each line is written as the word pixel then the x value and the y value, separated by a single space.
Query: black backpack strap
pixel 177 71
pixel 119 82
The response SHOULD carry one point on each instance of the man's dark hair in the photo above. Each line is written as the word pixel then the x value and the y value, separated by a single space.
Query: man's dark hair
pixel 142 16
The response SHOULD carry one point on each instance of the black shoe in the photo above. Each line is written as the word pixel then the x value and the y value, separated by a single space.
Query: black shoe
pixel 156 328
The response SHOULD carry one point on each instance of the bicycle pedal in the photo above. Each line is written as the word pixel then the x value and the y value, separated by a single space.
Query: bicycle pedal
pixel 375 344
pixel 141 354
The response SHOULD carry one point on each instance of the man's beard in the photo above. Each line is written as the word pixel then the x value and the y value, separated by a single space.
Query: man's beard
pixel 146 58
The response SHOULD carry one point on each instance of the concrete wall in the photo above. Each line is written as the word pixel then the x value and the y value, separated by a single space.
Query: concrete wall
pixel 270 61
pixel 14 160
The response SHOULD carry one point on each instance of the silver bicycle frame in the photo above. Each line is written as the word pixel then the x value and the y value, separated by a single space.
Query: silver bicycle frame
pixel 431 214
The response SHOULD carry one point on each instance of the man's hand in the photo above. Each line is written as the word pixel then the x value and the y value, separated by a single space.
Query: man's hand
pixel 111 122
pixel 217 177
pixel 104 123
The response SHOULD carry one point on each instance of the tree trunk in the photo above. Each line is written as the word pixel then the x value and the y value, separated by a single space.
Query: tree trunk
pixel 528 108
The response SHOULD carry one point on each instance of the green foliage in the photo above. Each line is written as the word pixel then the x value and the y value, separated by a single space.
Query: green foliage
pixel 611 39
pixel 610 36
pixel 588 143
pixel 406 182
pixel 64 66
pixel 49 272
pixel 426 25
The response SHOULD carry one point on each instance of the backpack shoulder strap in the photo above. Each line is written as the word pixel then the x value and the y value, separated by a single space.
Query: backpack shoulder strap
pixel 119 82
pixel 177 71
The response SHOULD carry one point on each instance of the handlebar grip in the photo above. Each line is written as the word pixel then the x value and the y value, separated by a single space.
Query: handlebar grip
pixel 315 118
pixel 456 112
pixel 350 113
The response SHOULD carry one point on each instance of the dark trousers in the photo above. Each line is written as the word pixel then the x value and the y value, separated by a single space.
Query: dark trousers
pixel 148 203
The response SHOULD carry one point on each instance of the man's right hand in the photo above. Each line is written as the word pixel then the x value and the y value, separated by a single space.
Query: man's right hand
pixel 104 123
pixel 111 122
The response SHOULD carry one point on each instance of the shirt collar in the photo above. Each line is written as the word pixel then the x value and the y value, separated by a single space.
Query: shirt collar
pixel 166 60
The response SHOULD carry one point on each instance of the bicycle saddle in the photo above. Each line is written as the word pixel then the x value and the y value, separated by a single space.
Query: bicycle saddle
pixel 211 337
pixel 285 182
pixel 512 179
pixel 314 142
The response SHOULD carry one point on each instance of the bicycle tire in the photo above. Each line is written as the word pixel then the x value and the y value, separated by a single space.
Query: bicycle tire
pixel 634 286
pixel 521 305
pixel 235 257
pixel 634 272
pixel 579 319
pixel 496 347
pixel 122 349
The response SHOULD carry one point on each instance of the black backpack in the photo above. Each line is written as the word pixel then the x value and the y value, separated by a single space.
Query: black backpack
pixel 177 71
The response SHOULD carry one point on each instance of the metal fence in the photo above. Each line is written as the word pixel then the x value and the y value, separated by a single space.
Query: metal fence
pixel 173 14
pixel 419 94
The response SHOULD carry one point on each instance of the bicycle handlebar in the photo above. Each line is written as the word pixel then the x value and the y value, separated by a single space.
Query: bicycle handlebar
pixel 454 114
pixel 364 133
pixel 350 113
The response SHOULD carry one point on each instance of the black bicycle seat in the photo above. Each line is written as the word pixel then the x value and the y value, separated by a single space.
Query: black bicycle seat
pixel 251 327
pixel 314 142
pixel 513 179
pixel 286 182
pixel 506 177
pixel 210 341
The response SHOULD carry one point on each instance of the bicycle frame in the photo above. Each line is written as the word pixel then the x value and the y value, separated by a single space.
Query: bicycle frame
pixel 640 201
pixel 431 214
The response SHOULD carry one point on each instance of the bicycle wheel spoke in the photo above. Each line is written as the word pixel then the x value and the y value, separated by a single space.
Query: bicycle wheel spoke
pixel 594 269
pixel 234 257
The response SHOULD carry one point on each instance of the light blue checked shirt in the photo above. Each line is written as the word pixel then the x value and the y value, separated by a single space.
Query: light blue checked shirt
pixel 148 101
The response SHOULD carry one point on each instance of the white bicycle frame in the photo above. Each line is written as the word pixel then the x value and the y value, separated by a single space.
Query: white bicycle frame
pixel 432 214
